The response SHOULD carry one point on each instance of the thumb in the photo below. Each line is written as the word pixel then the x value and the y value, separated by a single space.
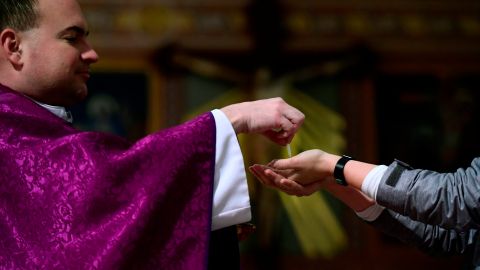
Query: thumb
pixel 282 164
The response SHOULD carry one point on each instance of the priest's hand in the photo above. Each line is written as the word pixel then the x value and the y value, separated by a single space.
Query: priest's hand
pixel 273 118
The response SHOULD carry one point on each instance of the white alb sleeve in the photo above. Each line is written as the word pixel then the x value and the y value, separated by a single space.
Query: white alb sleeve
pixel 231 200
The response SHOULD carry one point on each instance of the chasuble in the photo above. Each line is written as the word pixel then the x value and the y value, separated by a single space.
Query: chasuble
pixel 73 199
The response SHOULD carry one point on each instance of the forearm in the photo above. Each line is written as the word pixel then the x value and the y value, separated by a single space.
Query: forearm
pixel 362 201
pixel 355 173
pixel 350 196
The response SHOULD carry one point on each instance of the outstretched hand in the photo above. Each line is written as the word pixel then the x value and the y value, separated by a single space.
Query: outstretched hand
pixel 268 177
pixel 273 118
pixel 305 168
pixel 300 175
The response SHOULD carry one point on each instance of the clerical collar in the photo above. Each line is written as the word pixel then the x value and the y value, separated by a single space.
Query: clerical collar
pixel 58 111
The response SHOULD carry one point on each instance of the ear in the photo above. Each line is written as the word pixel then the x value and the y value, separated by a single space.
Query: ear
pixel 10 46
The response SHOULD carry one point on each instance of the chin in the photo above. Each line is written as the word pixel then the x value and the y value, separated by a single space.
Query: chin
pixel 79 98
pixel 81 92
pixel 83 95
pixel 75 98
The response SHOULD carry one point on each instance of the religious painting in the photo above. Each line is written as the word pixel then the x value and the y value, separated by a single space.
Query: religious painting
pixel 116 103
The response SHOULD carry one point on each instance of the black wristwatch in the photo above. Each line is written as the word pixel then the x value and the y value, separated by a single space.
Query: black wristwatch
pixel 338 172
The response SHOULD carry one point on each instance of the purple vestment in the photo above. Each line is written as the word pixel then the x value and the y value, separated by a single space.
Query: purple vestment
pixel 71 199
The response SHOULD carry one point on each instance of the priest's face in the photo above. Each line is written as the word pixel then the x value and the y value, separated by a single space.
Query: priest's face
pixel 56 54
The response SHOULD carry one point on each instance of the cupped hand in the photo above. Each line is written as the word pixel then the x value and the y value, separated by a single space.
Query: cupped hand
pixel 305 168
pixel 268 177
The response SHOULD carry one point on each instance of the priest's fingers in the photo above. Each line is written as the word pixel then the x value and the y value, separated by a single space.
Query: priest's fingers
pixel 291 120
pixel 264 116
pixel 287 126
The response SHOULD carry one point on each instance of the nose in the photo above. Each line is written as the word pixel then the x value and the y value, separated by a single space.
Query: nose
pixel 90 55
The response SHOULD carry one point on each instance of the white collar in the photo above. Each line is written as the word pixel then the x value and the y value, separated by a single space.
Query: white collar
pixel 58 111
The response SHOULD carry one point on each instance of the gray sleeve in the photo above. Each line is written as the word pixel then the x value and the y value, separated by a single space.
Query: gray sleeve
pixel 449 200
pixel 431 239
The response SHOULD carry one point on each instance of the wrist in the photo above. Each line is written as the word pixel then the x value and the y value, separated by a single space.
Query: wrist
pixel 327 163
pixel 352 197
pixel 338 172
pixel 329 184
pixel 234 117
pixel 325 166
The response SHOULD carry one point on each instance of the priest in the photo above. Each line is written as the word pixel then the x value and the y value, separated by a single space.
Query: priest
pixel 72 199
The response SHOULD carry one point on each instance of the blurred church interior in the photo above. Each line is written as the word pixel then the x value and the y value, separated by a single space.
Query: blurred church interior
pixel 377 80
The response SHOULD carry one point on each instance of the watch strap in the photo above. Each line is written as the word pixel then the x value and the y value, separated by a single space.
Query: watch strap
pixel 338 171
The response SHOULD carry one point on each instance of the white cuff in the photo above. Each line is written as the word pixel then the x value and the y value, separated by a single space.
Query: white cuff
pixel 372 181
pixel 231 201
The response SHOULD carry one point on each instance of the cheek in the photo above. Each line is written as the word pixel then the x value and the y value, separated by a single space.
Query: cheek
pixel 40 61
pixel 56 68
pixel 53 58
